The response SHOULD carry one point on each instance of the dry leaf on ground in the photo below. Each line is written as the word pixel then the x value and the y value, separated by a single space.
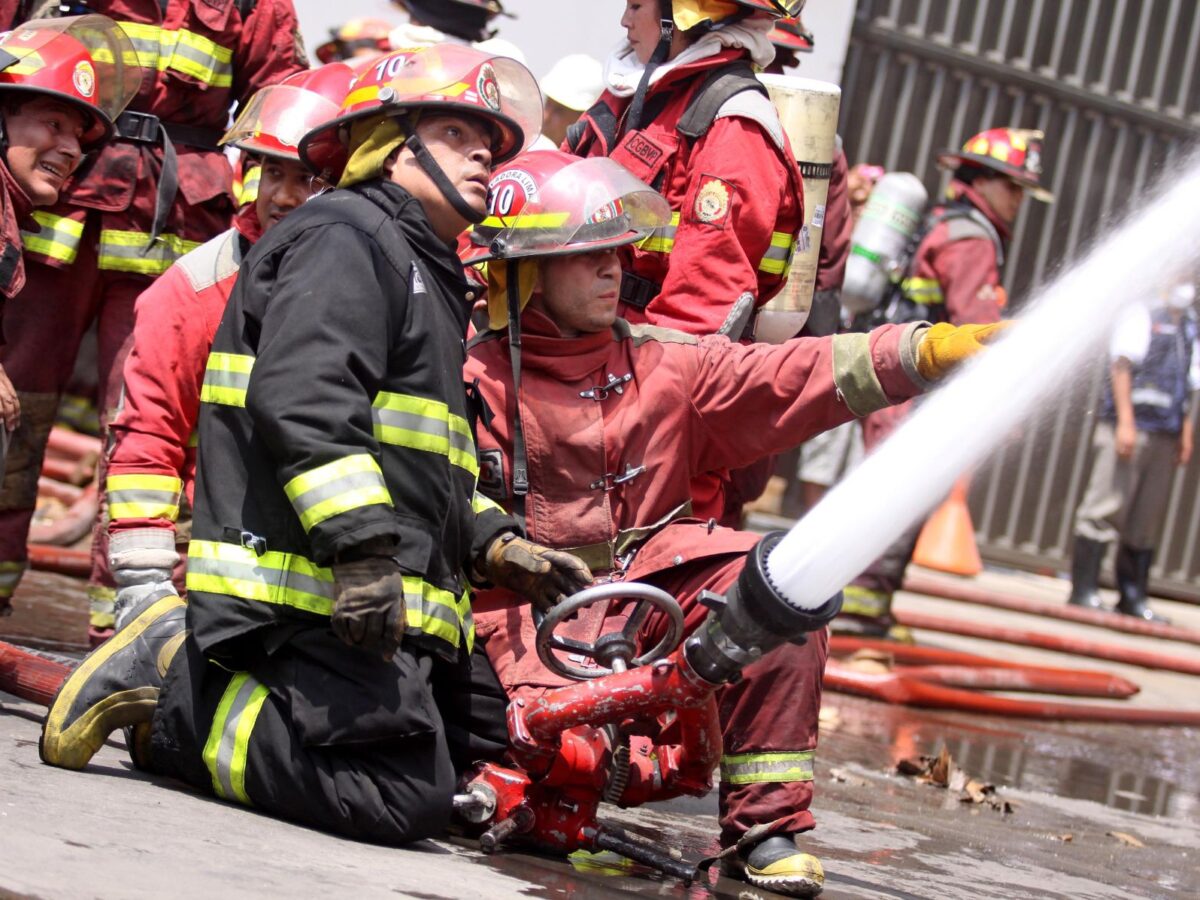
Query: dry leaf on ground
pixel 1128 839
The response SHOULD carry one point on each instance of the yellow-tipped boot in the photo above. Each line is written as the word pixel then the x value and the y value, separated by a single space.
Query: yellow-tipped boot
pixel 116 685
pixel 777 864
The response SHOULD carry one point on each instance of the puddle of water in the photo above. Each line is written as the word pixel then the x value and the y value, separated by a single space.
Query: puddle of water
pixel 1151 771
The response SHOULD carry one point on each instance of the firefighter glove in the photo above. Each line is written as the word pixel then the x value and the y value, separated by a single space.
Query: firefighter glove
pixel 542 575
pixel 368 605
pixel 944 346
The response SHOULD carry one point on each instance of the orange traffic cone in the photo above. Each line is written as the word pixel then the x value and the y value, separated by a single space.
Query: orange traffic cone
pixel 947 542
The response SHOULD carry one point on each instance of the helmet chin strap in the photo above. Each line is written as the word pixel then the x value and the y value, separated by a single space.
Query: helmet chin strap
pixel 426 161
pixel 666 25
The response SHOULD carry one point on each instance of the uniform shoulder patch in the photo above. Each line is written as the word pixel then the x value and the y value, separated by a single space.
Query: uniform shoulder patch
pixel 713 201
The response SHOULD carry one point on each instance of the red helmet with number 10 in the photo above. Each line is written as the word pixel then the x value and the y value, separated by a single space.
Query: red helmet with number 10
pixel 444 77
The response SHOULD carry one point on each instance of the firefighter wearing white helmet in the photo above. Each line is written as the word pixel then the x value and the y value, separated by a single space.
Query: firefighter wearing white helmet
pixel 335 524
pixel 571 86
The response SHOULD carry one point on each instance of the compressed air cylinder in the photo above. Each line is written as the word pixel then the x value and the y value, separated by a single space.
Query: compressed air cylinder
pixel 877 246
pixel 808 110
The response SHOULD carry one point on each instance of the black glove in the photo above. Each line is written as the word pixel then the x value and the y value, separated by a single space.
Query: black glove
pixel 542 575
pixel 368 605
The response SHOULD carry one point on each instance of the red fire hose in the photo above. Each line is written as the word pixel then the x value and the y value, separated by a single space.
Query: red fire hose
pixel 73 525
pixel 901 689
pixel 30 676
pixel 63 560
pixel 954 669
pixel 970 593
pixel 73 445
pixel 1058 643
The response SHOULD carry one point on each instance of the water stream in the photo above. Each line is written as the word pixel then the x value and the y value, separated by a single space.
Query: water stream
pixel 956 427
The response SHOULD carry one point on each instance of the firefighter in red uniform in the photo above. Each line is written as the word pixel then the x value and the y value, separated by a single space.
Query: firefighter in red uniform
pixel 153 456
pixel 954 277
pixel 160 189
pixel 684 113
pixel 59 96
pixel 612 420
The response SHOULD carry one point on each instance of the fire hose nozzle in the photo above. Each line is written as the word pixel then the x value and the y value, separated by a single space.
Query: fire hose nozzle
pixel 754 618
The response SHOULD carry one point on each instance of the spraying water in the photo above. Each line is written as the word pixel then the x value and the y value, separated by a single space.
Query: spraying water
pixel 957 426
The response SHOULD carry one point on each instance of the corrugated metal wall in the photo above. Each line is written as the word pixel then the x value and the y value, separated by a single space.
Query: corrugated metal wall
pixel 1116 87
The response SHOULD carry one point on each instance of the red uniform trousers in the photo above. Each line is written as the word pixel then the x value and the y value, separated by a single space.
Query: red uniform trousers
pixel 775 706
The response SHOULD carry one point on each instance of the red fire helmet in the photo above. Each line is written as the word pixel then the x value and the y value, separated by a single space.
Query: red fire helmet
pixel 279 115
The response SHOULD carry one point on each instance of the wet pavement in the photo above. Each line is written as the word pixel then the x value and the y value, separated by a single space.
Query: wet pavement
pixel 115 832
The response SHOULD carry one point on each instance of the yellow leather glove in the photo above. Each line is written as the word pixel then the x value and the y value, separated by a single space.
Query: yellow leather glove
pixel 944 346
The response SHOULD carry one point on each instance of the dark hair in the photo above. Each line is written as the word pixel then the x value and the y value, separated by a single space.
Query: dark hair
pixel 969 174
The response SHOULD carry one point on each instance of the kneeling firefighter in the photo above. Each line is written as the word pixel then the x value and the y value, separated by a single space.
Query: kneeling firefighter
pixel 595 428
pixel 152 460
pixel 327 673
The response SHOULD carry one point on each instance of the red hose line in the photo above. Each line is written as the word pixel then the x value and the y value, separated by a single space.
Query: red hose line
pixel 898 689
pixel 1102 618
pixel 64 560
pixel 73 445
pixel 58 490
pixel 1034 679
pixel 72 471
pixel 30 677
pixel 73 525
pixel 1059 643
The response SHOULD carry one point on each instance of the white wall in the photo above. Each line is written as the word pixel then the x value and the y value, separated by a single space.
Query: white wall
pixel 548 29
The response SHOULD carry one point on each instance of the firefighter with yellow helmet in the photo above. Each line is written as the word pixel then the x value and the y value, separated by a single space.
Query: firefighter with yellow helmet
pixel 953 276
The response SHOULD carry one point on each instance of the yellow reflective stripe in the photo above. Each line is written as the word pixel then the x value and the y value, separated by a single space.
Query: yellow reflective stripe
pixel 861 601
pixel 247 191
pixel 58 238
pixel 778 258
pixel 480 503
pixel 336 488
pixel 140 496
pixel 226 378
pixel 437 612
pixel 125 251
pixel 533 220
pixel 661 240
pixel 101 602
pixel 29 64
pixel 419 423
pixel 922 290
pixel 182 50
pixel 228 742
pixel 283 579
pixel 767 767
pixel 10 577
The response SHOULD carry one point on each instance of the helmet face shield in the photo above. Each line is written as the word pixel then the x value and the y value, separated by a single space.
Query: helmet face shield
pixel 86 61
pixel 590 204
pixel 276 118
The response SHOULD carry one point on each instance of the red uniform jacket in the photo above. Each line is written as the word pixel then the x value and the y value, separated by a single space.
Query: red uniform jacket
pixel 735 193
pixel 153 456
pixel 606 461
pixel 960 257
pixel 198 59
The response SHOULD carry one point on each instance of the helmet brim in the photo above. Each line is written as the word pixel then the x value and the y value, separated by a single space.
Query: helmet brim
pixel 953 159
pixel 100 128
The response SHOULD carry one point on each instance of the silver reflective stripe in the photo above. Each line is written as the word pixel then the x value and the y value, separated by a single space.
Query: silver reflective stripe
pixel 244 571
pixel 335 488
pixel 391 418
pixel 1148 396
pixel 768 767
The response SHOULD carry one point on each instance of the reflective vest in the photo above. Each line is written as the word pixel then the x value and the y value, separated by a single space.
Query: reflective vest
pixel 1160 381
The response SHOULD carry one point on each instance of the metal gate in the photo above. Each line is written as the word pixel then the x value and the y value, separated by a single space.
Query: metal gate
pixel 1115 85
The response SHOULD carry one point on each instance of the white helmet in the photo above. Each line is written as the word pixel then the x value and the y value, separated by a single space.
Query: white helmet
pixel 576 82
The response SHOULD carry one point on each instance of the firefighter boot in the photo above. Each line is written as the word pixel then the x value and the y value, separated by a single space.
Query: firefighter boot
pixel 777 864
pixel 1133 577
pixel 1085 572
pixel 116 685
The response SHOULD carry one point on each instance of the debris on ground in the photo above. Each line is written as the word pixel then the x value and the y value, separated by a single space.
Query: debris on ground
pixel 941 771
pixel 1127 839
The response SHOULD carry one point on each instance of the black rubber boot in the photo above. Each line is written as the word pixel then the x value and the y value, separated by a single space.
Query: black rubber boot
pixel 116 686
pixel 1133 577
pixel 1085 572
